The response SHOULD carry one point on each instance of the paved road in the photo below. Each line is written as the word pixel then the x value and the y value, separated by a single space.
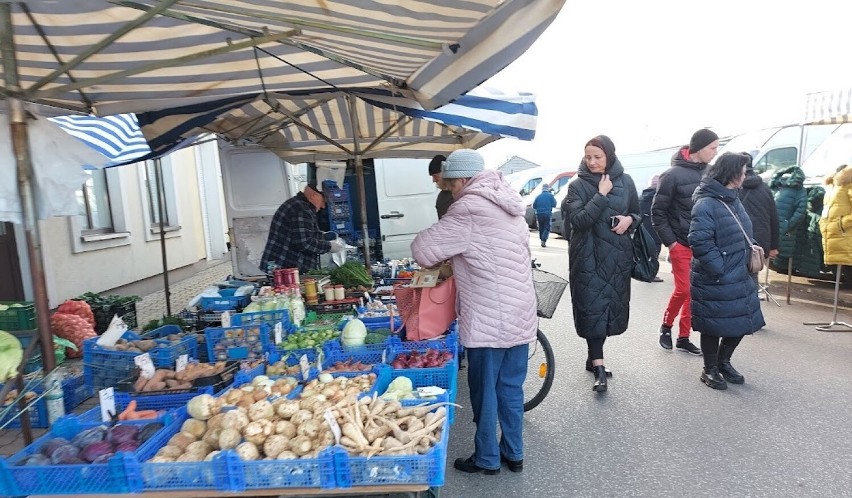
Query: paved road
pixel 659 432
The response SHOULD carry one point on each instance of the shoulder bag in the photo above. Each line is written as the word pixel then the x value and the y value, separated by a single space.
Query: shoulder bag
pixel 646 263
pixel 757 261
pixel 427 312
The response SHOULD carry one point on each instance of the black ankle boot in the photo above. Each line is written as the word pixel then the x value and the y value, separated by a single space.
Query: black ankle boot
pixel 728 372
pixel 713 378
pixel 600 379
pixel 591 368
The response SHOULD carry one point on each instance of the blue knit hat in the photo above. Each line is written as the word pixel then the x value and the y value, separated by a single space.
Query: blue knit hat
pixel 462 163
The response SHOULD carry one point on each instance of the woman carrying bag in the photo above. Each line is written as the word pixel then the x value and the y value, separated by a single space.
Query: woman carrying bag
pixel 725 306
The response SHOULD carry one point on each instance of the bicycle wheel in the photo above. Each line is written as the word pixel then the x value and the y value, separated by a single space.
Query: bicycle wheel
pixel 540 371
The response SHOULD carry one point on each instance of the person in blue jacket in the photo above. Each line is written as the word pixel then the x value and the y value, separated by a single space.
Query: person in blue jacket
pixel 724 296
pixel 544 204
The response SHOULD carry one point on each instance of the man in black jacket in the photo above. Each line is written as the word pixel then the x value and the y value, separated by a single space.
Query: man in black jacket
pixel 445 197
pixel 671 213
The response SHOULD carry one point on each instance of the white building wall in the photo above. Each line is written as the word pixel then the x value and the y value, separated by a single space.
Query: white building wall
pixel 73 267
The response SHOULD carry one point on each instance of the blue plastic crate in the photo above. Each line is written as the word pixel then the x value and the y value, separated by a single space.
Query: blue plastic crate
pixel 271 474
pixel 371 354
pixel 104 367
pixel 110 477
pixel 445 377
pixel 161 402
pixel 245 376
pixel 243 342
pixel 74 392
pixel 174 476
pixel 225 301
pixel 258 317
pixel 428 469
pixel 237 343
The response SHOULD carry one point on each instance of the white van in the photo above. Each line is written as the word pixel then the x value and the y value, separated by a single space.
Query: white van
pixel 400 200
pixel 834 151
pixel 774 148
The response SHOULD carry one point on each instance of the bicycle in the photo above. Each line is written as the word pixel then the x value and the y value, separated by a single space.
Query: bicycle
pixel 548 291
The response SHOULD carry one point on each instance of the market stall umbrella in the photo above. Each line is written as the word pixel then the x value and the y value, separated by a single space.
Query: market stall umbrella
pixel 352 125
pixel 111 57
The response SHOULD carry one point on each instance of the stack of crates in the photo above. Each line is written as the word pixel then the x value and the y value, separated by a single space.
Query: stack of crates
pixel 338 204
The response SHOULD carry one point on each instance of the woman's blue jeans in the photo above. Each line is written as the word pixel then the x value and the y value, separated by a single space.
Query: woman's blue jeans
pixel 496 380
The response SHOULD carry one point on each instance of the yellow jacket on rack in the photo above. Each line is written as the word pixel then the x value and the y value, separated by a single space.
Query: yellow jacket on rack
pixel 836 221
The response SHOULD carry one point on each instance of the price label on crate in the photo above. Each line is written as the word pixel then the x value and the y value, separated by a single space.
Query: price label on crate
pixel 332 422
pixel 107 400
pixel 146 366
pixel 305 365
pixel 320 360
pixel 226 319
pixel 181 362
pixel 279 333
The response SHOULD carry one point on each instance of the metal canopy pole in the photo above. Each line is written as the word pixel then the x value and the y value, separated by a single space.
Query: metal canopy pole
pixel 23 160
pixel 158 178
pixel 359 173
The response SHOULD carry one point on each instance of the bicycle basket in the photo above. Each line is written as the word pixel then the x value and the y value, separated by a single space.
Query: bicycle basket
pixel 548 291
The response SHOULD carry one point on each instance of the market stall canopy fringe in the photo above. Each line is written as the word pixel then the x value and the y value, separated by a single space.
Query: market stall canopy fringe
pixel 111 57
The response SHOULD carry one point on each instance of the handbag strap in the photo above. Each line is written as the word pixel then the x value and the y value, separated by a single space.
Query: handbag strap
pixel 748 240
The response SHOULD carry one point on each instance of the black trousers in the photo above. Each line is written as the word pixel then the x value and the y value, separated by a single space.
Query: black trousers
pixel 595 348
pixel 710 347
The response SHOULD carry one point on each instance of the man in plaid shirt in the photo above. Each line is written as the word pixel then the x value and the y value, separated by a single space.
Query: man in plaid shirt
pixel 295 240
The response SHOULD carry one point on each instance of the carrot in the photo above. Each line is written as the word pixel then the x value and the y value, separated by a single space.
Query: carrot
pixel 146 414
pixel 128 412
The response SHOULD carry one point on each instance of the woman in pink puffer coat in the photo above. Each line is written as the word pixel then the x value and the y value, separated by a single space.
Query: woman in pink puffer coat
pixel 485 237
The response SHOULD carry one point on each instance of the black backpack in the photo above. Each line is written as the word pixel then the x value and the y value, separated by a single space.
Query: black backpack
pixel 646 263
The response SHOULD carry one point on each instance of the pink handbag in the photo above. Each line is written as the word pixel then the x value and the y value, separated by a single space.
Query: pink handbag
pixel 427 312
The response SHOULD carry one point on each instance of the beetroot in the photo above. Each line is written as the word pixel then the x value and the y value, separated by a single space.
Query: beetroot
pixel 118 434
pixel 35 459
pixel 94 450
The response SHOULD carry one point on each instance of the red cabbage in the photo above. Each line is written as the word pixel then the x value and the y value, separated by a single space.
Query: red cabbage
pixel 94 450
pixel 148 431
pixel 120 433
pixel 128 446
pixel 89 436
pixel 103 458
pixel 35 459
pixel 67 453
pixel 51 446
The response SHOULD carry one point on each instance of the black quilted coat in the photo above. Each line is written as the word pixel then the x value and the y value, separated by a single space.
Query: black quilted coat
pixel 724 296
pixel 759 203
pixel 600 261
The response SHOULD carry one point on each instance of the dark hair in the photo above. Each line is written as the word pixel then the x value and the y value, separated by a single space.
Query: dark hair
pixel 435 164
pixel 728 167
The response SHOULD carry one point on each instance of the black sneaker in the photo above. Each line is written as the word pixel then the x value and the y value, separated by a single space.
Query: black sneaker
pixel 514 465
pixel 684 345
pixel 469 466
pixel 665 337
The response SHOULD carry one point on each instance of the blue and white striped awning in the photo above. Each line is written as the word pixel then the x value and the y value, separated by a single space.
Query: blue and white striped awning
pixel 116 137
pixel 319 125
pixel 115 56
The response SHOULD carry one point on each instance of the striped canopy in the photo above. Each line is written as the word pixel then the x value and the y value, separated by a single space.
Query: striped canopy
pixel 831 107
pixel 319 125
pixel 118 56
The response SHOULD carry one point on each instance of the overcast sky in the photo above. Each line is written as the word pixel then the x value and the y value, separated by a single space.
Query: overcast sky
pixel 649 73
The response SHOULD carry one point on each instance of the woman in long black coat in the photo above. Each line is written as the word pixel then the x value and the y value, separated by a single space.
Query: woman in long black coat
pixel 602 208
pixel 724 296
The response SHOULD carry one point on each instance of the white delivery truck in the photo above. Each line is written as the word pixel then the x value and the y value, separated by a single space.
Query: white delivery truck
pixel 400 199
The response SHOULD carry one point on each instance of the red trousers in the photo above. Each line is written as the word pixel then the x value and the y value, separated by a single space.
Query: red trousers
pixel 680 256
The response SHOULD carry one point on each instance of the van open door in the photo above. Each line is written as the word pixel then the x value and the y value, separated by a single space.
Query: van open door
pixel 255 183
pixel 406 199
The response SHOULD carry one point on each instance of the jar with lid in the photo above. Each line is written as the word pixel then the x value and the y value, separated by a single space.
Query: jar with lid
pixel 311 291
pixel 339 293
pixel 329 292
